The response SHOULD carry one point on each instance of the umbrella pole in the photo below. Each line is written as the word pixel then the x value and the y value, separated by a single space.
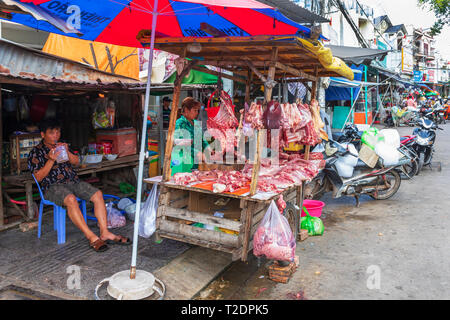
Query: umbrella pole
pixel 142 151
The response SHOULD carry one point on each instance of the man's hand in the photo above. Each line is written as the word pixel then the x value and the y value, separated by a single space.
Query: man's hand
pixel 53 155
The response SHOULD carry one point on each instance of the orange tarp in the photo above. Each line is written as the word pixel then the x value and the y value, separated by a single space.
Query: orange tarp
pixel 76 49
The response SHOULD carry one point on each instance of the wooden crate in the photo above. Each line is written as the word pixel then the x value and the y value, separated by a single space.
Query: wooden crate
pixel 281 274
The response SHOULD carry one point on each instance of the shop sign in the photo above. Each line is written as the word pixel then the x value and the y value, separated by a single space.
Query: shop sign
pixel 431 76
pixel 418 75
pixel 407 61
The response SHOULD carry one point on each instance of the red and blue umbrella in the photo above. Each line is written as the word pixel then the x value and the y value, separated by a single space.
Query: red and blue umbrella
pixel 119 21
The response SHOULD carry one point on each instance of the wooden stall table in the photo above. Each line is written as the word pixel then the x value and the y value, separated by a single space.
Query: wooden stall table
pixel 182 206
pixel 26 180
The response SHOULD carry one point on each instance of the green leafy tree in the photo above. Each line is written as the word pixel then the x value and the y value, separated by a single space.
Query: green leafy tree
pixel 441 9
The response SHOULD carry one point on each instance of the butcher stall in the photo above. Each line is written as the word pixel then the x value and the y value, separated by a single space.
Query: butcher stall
pixel 220 205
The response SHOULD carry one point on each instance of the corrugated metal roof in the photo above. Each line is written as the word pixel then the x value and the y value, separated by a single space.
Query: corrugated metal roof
pixel 294 12
pixel 18 61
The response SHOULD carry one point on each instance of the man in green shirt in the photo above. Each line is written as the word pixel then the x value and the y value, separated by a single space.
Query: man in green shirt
pixel 186 129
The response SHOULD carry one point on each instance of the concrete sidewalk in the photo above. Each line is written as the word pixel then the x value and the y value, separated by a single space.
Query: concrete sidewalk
pixel 402 244
pixel 33 268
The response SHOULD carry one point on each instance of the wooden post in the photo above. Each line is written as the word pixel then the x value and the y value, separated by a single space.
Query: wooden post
pixel 2 222
pixel 250 205
pixel 17 154
pixel 173 119
pixel 267 98
pixel 248 86
pixel 29 197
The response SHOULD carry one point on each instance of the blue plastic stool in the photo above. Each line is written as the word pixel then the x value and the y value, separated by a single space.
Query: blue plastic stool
pixel 59 215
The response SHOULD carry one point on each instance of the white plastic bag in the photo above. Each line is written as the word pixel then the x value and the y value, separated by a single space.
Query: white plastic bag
pixel 114 218
pixel 346 165
pixel 147 218
pixel 388 153
pixel 391 137
pixel 274 237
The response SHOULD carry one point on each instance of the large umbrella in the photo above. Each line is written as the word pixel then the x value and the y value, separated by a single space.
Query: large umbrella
pixel 119 21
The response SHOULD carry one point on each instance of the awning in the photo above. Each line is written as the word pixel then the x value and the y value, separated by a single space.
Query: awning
pixel 343 89
pixel 357 55
pixel 295 12
pixel 344 83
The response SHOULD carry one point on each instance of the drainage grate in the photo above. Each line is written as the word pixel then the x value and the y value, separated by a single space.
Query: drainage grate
pixel 12 292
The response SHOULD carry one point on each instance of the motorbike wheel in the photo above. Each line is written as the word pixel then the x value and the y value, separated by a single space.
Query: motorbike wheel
pixel 395 179
pixel 315 189
pixel 411 169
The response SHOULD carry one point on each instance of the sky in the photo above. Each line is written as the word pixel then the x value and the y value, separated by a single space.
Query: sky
pixel 408 13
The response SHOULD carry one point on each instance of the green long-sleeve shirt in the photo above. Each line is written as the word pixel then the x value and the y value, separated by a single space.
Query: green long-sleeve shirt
pixel 184 129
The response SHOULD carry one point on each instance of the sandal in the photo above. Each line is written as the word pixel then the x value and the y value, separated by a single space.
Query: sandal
pixel 98 245
pixel 121 241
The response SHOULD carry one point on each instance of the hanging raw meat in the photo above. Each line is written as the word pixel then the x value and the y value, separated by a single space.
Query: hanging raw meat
pixel 222 122
pixel 273 115
pixel 254 116
pixel 318 123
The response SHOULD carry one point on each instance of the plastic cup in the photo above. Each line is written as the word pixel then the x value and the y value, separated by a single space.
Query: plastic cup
pixel 63 156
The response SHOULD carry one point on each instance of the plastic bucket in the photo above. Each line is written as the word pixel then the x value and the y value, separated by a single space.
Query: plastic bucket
pixel 314 208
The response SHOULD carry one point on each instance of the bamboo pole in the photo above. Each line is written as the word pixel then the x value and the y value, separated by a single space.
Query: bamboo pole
pixel 173 119
pixel 267 97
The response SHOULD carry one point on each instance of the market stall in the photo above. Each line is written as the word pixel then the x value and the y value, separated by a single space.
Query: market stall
pixel 240 201
pixel 35 86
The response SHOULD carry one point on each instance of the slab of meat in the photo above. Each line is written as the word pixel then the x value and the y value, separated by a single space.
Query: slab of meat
pixel 184 178
pixel 254 116
pixel 317 120
pixel 223 121
pixel 273 115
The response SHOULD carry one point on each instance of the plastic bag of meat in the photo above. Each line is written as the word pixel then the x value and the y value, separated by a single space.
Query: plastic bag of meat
pixel 274 238
pixel 114 218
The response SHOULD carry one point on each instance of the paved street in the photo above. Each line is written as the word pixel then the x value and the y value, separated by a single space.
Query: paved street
pixel 406 238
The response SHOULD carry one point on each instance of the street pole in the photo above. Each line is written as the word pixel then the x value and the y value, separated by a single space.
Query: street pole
pixel 143 142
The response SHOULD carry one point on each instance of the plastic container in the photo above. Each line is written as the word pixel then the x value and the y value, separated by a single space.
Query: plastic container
pixel 63 156
pixel 314 208
pixel 111 157
pixel 93 158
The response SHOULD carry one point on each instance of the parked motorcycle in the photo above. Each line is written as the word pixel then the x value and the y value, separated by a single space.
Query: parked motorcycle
pixel 352 135
pixel 380 182
pixel 424 146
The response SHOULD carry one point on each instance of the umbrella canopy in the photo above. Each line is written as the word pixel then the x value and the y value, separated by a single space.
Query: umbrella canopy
pixel 119 21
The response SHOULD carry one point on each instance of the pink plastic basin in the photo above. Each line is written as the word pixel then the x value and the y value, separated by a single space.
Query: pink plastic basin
pixel 314 208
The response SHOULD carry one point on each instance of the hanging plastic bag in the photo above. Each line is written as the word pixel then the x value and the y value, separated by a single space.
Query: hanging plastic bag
pixel 24 109
pixel 314 225
pixel 104 114
pixel 147 219
pixel 114 218
pixel 274 237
